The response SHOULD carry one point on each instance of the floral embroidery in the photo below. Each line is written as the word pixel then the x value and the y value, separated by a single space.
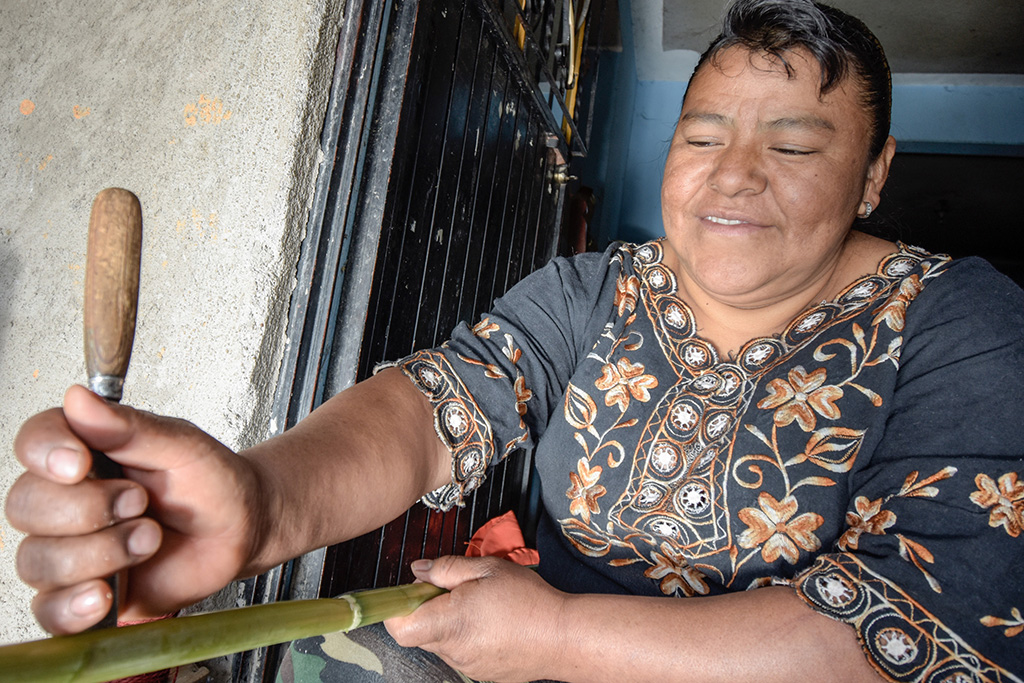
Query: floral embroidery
pixel 522 394
pixel 704 507
pixel 870 518
pixel 774 527
pixel 1005 500
pixel 624 379
pixel 510 350
pixel 1015 625
pixel 893 314
pixel 691 492
pixel 627 290
pixel 491 370
pixel 580 410
pixel 585 490
pixel 801 397
pixel 674 573
pixel 484 328
pixel 914 553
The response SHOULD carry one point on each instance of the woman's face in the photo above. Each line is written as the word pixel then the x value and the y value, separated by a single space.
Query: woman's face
pixel 764 178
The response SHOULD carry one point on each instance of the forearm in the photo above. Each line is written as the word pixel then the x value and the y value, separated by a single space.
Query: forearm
pixel 766 634
pixel 355 463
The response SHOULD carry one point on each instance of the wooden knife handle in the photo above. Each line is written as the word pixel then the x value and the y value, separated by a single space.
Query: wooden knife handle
pixel 113 254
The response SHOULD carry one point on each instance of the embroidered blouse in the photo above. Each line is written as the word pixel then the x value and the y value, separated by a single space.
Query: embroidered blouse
pixel 870 456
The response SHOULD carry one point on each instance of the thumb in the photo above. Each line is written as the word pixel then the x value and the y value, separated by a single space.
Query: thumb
pixel 453 570
pixel 131 437
pixel 99 423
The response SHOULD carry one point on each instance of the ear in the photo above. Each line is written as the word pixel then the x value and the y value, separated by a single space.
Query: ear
pixel 878 172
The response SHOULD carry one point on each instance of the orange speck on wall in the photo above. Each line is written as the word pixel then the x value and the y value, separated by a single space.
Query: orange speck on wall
pixel 80 112
pixel 206 111
pixel 27 107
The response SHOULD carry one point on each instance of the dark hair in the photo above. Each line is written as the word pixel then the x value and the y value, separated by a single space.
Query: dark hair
pixel 842 45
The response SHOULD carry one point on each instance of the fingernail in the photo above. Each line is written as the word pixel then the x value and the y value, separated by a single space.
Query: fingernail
pixel 421 565
pixel 131 503
pixel 87 602
pixel 144 540
pixel 63 462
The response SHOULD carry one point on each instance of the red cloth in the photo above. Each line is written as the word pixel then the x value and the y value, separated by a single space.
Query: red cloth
pixel 502 537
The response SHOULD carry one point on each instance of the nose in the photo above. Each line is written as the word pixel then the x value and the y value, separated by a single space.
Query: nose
pixel 737 170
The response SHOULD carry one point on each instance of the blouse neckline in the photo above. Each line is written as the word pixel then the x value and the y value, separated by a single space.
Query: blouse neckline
pixel 659 284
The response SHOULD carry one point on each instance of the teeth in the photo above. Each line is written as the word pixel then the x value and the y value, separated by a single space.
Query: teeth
pixel 722 221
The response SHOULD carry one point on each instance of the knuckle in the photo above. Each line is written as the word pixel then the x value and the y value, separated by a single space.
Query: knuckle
pixel 33 564
pixel 49 563
pixel 41 565
pixel 37 506
pixel 446 562
pixel 14 508
pixel 488 567
pixel 36 434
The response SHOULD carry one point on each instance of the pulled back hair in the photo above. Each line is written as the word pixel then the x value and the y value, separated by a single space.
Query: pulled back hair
pixel 842 45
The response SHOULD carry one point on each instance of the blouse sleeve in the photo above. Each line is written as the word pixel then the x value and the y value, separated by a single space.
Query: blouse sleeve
pixel 494 385
pixel 928 570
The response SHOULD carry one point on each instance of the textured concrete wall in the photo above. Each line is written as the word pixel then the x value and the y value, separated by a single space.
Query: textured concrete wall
pixel 211 113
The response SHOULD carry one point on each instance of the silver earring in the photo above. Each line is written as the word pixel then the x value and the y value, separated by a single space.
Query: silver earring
pixel 867 210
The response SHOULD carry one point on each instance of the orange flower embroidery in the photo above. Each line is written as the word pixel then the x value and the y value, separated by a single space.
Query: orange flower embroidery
pixel 484 328
pixel 894 312
pixel 580 410
pixel 675 573
pixel 522 394
pixel 627 290
pixel 774 526
pixel 801 397
pixel 585 490
pixel 870 518
pixel 622 380
pixel 1015 624
pixel 510 351
pixel 1005 499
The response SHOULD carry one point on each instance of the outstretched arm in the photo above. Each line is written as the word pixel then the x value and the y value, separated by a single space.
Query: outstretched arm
pixel 355 463
pixel 191 515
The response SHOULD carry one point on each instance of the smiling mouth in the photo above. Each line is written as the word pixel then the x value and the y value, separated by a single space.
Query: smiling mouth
pixel 723 221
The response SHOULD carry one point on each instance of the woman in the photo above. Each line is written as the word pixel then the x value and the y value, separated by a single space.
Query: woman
pixel 808 430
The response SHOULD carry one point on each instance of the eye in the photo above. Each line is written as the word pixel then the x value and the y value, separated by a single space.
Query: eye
pixel 701 142
pixel 794 151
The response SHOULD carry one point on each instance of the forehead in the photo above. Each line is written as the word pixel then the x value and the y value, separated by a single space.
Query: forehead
pixel 738 79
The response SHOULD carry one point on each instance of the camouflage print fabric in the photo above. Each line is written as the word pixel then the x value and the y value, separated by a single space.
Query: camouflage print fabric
pixel 365 655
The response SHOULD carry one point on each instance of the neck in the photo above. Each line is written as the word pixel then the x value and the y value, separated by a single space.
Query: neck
pixel 730 322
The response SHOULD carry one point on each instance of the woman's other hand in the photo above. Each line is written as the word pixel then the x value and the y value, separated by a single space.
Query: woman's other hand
pixel 184 520
pixel 496 611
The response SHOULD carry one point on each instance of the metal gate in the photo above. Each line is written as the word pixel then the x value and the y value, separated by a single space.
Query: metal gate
pixel 446 148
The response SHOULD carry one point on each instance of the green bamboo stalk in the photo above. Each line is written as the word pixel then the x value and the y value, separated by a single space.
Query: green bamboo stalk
pixel 105 654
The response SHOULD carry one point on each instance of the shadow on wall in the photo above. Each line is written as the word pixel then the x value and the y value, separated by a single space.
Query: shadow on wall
pixel 10 270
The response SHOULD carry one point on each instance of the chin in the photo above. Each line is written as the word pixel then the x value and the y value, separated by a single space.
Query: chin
pixel 730 280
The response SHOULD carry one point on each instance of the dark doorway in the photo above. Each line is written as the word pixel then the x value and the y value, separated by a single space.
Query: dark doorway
pixel 961 205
